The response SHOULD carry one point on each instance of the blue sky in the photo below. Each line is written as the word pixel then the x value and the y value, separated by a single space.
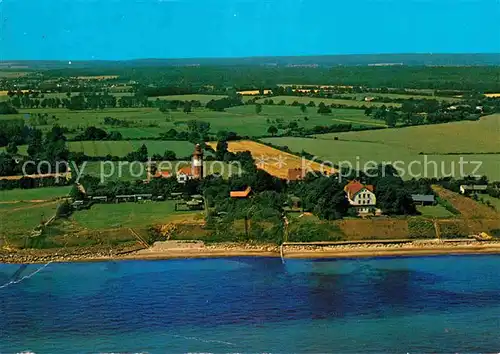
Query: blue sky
pixel 127 29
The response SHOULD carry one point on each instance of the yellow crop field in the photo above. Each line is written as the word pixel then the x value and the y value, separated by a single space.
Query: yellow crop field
pixel 492 95
pixel 274 161
pixel 253 92
pixel 4 92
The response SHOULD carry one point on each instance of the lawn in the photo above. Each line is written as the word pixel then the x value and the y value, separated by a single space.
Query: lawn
pixel 106 216
pixel 47 193
pixel 328 101
pixel 434 211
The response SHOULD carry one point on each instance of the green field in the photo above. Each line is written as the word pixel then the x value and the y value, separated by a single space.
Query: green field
pixel 12 74
pixel 123 147
pixel 20 219
pixel 328 101
pixel 494 201
pixel 434 211
pixel 47 193
pixel 150 122
pixel 405 144
pixel 465 137
pixel 106 216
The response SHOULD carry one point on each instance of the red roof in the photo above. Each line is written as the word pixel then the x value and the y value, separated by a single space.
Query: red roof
pixel 240 194
pixel 185 170
pixel 354 187
pixel 163 174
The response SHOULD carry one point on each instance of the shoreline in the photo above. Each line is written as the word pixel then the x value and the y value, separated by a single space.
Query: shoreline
pixel 190 250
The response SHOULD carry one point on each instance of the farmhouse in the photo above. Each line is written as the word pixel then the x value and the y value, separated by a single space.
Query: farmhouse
pixel 361 196
pixel 184 174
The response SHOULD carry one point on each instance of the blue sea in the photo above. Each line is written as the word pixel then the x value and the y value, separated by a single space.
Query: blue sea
pixel 415 304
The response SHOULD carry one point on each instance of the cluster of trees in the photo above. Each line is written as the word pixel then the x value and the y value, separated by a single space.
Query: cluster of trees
pixel 141 154
pixel 213 78
pixel 116 122
pixel 93 133
pixel 81 101
pixel 51 148
pixel 6 108
pixel 416 112
pixel 30 183
pixel 293 129
pixel 14 131
pixel 221 104
pixel 173 105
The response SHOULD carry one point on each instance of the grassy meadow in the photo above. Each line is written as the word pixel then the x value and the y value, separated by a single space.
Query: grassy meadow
pixel 457 137
pixel 19 219
pixel 106 216
pixel 150 122
pixel 47 193
pixel 434 211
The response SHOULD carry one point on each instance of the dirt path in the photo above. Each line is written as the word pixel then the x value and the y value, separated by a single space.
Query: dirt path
pixel 469 208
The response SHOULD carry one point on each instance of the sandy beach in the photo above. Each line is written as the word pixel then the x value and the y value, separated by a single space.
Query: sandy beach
pixel 176 249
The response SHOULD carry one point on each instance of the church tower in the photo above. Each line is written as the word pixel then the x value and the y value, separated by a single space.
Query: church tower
pixel 197 163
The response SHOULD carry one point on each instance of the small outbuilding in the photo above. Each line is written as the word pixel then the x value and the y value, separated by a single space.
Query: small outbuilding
pixel 423 199
pixel 241 194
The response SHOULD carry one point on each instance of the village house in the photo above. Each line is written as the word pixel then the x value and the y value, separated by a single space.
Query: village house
pixel 184 174
pixel 361 197
pixel 478 188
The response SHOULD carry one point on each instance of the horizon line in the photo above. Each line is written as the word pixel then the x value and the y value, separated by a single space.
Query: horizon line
pixel 247 57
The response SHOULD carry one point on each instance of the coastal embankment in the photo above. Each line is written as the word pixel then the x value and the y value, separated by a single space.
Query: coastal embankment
pixel 198 249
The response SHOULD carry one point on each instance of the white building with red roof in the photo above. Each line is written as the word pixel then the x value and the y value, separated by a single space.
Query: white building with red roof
pixel 184 174
pixel 361 196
